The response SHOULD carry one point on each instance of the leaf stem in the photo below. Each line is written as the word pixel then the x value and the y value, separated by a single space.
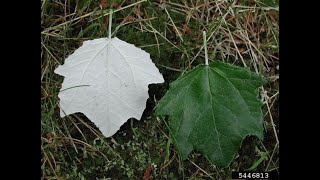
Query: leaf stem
pixel 110 22
pixel 205 47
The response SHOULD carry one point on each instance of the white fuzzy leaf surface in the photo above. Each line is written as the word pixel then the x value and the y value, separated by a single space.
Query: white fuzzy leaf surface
pixel 107 80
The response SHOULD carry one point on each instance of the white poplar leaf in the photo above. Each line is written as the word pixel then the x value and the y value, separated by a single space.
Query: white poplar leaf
pixel 107 80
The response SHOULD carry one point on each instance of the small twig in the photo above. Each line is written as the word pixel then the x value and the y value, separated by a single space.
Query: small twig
pixel 235 45
pixel 120 9
pixel 170 68
pixel 175 27
pixel 94 12
pixel 272 123
pixel 157 32
pixel 271 118
pixel 47 157
pixel 201 169
pixel 274 150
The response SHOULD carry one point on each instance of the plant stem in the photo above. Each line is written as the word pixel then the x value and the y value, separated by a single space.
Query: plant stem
pixel 110 22
pixel 205 47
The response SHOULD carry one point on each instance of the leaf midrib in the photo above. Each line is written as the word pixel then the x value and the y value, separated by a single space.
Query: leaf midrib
pixel 211 100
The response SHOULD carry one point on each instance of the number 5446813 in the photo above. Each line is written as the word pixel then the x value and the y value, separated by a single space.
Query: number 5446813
pixel 249 175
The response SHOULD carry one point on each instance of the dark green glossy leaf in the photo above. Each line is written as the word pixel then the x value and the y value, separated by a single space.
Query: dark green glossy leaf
pixel 212 109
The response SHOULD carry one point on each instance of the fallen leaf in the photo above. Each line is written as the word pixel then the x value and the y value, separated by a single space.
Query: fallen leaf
pixel 107 80
pixel 212 108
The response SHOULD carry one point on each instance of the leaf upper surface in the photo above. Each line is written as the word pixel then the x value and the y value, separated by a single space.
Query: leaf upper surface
pixel 212 109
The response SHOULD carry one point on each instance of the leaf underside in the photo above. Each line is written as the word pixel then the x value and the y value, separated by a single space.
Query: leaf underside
pixel 212 109
pixel 107 80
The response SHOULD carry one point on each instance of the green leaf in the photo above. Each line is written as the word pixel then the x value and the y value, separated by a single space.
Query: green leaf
pixel 212 109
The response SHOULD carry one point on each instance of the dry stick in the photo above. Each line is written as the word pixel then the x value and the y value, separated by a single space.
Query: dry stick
pixel 274 150
pixel 170 68
pixel 175 27
pixel 273 125
pixel 265 149
pixel 42 75
pixel 47 157
pixel 121 9
pixel 135 21
pixel 202 11
pixel 274 96
pixel 233 41
pixel 150 45
pixel 271 104
pixel 248 8
pixel 75 125
pixel 53 35
pixel 43 3
pixel 88 145
pixel 158 46
pixel 80 17
pixel 201 169
pixel 70 137
pixel 91 13
pixel 98 134
pixel 246 36
pixel 53 159
pixel 157 32
pixel 235 45
pixel 50 53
